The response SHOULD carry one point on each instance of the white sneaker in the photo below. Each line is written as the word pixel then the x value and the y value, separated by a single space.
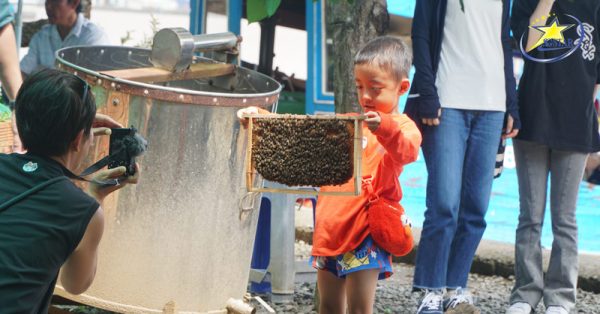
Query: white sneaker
pixel 519 308
pixel 432 303
pixel 460 301
pixel 554 309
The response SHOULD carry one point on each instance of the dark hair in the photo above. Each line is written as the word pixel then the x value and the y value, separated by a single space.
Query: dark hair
pixel 79 6
pixel 389 53
pixel 52 107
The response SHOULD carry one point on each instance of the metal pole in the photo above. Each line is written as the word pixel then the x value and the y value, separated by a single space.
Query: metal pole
pixel 19 25
pixel 283 235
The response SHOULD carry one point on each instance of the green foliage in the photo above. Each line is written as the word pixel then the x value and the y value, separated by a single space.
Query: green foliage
pixel 147 40
pixel 257 10
pixel 4 113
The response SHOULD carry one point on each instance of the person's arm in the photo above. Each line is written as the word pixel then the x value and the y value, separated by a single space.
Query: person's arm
pixel 538 18
pixel 513 122
pixel 78 272
pixel 10 74
pixel 401 140
pixel 528 13
pixel 424 92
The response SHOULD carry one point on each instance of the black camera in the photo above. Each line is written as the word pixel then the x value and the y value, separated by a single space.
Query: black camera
pixel 125 145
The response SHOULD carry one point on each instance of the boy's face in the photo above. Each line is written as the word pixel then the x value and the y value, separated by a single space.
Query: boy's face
pixel 377 89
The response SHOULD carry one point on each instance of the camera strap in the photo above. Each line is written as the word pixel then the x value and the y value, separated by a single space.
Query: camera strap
pixel 95 167
pixel 34 189
pixel 68 174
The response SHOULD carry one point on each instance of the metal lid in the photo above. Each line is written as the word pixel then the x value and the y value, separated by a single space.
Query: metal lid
pixel 242 88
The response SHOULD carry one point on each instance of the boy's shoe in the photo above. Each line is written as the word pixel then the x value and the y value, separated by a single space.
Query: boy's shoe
pixel 519 308
pixel 460 302
pixel 556 310
pixel 432 303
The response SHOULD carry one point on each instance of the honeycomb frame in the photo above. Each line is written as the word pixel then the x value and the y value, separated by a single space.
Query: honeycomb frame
pixel 252 174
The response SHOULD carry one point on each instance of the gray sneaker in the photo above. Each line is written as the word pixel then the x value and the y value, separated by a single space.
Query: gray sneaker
pixel 519 308
pixel 554 309
pixel 460 302
pixel 432 303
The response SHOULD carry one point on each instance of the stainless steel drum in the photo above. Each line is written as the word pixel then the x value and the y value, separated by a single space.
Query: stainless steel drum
pixel 181 240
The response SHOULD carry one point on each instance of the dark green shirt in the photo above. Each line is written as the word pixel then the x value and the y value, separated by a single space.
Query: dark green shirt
pixel 37 234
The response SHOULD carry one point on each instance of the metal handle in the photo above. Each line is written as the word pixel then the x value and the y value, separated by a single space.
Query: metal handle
pixel 173 48
pixel 218 41
pixel 246 204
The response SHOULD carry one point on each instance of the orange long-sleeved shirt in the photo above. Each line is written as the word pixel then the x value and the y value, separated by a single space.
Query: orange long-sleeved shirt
pixel 341 221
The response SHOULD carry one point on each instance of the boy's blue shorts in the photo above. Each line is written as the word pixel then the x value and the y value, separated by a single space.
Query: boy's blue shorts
pixel 366 256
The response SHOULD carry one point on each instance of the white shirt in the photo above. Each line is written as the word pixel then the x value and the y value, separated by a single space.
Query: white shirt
pixel 471 69
pixel 47 41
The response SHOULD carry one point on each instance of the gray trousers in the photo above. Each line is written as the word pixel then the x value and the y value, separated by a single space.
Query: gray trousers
pixel 559 285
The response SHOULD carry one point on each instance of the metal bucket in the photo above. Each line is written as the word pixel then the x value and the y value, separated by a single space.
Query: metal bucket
pixel 181 240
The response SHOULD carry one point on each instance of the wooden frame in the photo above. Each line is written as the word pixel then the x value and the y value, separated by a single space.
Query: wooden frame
pixel 157 75
pixel 6 137
pixel 251 172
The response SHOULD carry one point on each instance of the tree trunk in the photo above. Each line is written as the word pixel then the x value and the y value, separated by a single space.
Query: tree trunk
pixel 351 24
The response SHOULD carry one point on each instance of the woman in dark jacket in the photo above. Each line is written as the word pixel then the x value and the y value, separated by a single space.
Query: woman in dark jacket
pixel 462 93
pixel 559 41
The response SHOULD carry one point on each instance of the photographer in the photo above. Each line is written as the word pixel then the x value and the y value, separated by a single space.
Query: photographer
pixel 56 224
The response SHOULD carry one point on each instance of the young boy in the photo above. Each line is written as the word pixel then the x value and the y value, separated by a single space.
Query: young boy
pixel 349 262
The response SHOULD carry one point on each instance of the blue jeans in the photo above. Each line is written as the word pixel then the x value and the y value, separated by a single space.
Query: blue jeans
pixel 460 155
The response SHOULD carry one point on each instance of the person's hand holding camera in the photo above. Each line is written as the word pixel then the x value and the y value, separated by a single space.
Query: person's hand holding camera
pixel 103 123
pixel 102 126
pixel 99 191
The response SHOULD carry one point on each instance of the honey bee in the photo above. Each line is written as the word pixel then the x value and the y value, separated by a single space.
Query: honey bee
pixel 303 152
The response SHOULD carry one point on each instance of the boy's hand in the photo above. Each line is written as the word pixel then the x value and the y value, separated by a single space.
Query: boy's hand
pixel 433 121
pixel 249 110
pixel 373 120
pixel 99 192
pixel 509 132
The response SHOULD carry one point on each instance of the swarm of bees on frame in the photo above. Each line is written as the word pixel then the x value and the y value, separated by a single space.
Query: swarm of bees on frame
pixel 303 152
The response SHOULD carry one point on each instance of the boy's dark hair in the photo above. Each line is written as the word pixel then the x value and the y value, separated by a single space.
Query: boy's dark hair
pixel 52 107
pixel 389 53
